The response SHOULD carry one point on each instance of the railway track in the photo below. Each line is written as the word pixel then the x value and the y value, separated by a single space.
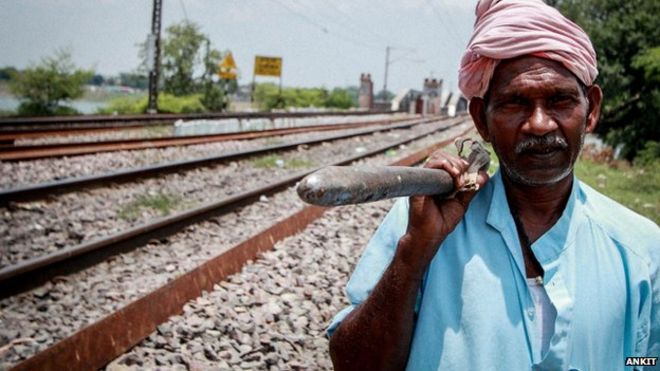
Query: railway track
pixel 31 152
pixel 248 189
pixel 97 344
pixel 42 190
pixel 18 127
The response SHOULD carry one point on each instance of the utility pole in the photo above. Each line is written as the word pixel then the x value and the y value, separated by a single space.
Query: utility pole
pixel 153 56
pixel 387 67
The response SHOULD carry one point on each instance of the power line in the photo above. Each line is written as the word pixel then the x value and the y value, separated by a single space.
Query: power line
pixel 351 24
pixel 449 29
pixel 325 30
pixel 185 13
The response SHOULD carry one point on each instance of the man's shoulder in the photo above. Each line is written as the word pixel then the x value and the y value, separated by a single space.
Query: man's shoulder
pixel 628 228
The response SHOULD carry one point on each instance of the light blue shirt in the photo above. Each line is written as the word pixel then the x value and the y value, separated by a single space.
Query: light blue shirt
pixel 475 311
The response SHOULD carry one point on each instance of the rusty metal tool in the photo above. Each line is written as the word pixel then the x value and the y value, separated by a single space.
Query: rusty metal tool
pixel 344 185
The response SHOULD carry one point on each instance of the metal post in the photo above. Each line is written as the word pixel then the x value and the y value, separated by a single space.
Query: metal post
pixel 387 66
pixel 153 74
pixel 254 85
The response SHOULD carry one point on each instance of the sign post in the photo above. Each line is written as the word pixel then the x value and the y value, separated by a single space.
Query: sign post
pixel 267 66
pixel 227 70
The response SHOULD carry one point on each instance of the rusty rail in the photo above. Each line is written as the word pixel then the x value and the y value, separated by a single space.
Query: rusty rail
pixel 28 123
pixel 42 190
pixel 31 152
pixel 99 343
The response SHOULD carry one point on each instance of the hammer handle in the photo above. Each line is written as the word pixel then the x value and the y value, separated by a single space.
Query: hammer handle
pixel 343 185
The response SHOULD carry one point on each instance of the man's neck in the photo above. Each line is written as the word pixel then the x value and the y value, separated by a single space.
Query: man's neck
pixel 538 207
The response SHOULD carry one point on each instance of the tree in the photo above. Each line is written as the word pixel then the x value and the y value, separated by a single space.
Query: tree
pixel 340 98
pixel 268 96
pixel 134 80
pixel 7 73
pixel 213 97
pixel 626 37
pixel 96 80
pixel 53 81
pixel 387 96
pixel 181 54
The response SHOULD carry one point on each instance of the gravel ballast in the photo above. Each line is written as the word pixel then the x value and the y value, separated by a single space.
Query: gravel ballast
pixel 35 228
pixel 22 173
pixel 273 314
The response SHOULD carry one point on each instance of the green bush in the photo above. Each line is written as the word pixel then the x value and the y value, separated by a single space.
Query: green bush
pixel 166 104
pixel 649 154
pixel 4 113
pixel 44 86
pixel 38 109
pixel 185 104
pixel 268 97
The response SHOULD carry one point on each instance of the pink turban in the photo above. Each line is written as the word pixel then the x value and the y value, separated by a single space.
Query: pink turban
pixel 510 28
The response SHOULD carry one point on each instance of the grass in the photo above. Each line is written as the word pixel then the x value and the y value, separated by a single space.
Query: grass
pixel 274 161
pixel 158 131
pixel 636 187
pixel 163 203
pixel 391 153
pixel 167 103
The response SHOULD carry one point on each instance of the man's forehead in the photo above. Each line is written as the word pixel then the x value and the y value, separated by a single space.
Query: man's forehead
pixel 518 72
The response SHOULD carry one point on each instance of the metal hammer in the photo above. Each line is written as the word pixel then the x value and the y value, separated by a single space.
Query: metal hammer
pixel 344 185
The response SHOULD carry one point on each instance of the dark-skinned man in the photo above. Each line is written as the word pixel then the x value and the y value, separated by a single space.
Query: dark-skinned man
pixel 536 270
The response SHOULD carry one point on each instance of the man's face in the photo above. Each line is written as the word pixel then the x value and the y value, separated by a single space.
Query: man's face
pixel 536 115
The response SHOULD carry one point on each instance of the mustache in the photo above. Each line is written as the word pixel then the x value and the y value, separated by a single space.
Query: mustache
pixel 546 143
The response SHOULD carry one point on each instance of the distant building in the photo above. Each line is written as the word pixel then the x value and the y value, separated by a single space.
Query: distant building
pixel 406 101
pixel 457 103
pixel 431 95
pixel 366 92
pixel 431 100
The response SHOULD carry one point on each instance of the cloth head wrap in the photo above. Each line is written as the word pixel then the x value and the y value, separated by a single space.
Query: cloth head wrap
pixel 507 29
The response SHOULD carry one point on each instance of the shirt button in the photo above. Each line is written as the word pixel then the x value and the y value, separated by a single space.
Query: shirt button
pixel 530 313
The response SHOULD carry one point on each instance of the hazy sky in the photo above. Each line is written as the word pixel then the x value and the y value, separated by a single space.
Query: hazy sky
pixel 322 43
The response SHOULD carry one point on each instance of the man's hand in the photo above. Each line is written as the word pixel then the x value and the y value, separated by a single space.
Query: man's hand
pixel 431 219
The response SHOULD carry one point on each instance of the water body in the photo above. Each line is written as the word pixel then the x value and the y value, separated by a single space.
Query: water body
pixel 82 106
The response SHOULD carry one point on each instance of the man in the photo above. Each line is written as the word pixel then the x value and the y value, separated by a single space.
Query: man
pixel 534 271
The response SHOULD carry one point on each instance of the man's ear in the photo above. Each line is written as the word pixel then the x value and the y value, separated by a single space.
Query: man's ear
pixel 478 112
pixel 595 98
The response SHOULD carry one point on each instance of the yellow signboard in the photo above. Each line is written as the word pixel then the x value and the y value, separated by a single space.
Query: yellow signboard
pixel 268 66
pixel 228 68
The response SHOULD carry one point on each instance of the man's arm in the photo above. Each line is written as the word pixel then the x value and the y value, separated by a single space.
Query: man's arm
pixel 378 333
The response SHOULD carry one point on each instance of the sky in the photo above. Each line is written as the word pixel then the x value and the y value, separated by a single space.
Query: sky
pixel 325 43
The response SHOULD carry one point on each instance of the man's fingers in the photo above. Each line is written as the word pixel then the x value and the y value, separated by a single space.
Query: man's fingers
pixel 482 178
pixel 465 197
pixel 454 165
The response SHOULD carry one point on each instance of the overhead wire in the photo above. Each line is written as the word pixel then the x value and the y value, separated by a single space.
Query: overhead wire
pixel 448 25
pixel 350 22
pixel 185 13
pixel 325 29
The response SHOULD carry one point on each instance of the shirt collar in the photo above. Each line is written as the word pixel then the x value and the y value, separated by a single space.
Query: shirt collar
pixel 550 245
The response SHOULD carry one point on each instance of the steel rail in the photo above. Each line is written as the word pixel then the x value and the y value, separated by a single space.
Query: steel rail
pixel 41 190
pixel 7 137
pixel 14 123
pixel 95 345
pixel 31 152
pixel 15 278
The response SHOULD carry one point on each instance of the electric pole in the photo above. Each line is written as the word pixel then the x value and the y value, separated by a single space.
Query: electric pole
pixel 387 67
pixel 153 56
pixel 400 58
